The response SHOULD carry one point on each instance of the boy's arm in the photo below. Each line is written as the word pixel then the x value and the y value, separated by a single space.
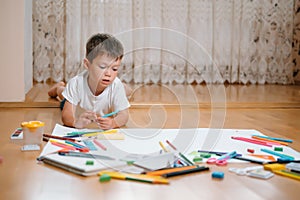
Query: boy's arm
pixel 121 119
pixel 116 122
pixel 68 114
pixel 69 118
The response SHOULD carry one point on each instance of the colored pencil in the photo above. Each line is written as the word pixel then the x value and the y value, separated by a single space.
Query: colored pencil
pixel 136 177
pixel 169 170
pixel 187 171
pixel 99 144
pixel 278 154
pixel 252 141
pixel 275 142
pixel 274 138
pixel 59 137
pixel 110 114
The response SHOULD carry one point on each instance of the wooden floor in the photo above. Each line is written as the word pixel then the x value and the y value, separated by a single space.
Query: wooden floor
pixel 272 109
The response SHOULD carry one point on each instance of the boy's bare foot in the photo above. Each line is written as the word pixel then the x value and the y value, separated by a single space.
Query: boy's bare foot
pixel 53 90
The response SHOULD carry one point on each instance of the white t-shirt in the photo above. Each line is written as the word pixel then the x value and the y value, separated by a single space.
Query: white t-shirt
pixel 113 98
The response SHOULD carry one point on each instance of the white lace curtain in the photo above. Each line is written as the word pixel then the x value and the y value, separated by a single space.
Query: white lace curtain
pixel 171 41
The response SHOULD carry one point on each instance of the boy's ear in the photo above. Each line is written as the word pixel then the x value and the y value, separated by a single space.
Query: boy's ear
pixel 86 63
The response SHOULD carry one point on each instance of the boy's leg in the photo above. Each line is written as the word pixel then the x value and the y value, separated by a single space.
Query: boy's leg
pixel 56 90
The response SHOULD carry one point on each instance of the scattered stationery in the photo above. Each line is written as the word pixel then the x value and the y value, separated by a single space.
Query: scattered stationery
pixel 216 152
pixel 244 171
pixel 156 162
pixel 138 150
pixel 180 154
pixel 91 134
pixel 294 167
pixel 62 145
pixel 99 144
pixel 110 114
pixel 84 155
pixel 162 146
pixel 252 141
pixel 277 154
pixel 263 156
pixel 186 171
pixel 275 142
pixel 287 173
pixel 59 137
pixel 134 177
pixel 260 173
pixel 89 144
pixel 170 170
pixel 273 138
pixel 217 175
pixel 250 160
pixel 17 134
pixel 221 161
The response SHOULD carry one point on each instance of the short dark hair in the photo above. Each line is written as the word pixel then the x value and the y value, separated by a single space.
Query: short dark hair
pixel 104 44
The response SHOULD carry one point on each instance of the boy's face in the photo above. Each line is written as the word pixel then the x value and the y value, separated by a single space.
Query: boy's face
pixel 102 71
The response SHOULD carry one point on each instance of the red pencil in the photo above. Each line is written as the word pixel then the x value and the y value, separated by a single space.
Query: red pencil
pixel 252 141
pixel 59 137
pixel 63 145
pixel 171 145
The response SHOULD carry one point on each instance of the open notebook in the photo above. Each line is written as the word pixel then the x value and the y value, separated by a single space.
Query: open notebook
pixel 77 165
pixel 113 158
pixel 142 146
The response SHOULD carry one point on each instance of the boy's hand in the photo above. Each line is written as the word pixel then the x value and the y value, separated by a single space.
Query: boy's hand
pixel 85 119
pixel 106 123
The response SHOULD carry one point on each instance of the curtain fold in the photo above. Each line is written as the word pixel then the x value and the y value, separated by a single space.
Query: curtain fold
pixel 172 41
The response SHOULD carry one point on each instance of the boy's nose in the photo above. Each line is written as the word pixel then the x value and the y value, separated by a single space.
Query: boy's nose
pixel 107 71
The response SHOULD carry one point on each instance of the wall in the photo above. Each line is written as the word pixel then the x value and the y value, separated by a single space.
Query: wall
pixel 28 72
pixel 12 50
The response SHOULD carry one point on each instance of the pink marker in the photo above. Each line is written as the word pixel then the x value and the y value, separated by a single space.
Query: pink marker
pixel 99 144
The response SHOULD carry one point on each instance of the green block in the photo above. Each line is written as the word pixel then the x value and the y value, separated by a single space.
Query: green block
pixel 104 178
pixel 205 155
pixel 197 159
pixel 278 149
pixel 130 162
pixel 89 162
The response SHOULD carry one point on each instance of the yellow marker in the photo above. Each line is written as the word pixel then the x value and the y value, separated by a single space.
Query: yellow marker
pixel 57 141
pixel 274 166
pixel 136 177
pixel 287 174
pixel 163 147
pixel 102 132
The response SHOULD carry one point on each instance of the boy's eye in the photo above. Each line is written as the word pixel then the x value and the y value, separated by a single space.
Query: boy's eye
pixel 102 67
pixel 115 69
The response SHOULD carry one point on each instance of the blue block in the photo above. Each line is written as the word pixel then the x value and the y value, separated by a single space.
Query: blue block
pixel 218 175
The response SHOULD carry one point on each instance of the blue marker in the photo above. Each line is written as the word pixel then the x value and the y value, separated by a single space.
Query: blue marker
pixel 277 154
pixel 273 138
pixel 110 114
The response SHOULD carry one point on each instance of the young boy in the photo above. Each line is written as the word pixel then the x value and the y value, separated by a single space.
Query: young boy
pixel 97 90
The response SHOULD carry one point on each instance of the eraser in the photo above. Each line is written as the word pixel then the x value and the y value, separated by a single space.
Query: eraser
pixel 219 175
pixel 250 150
pixel 197 159
pixel 30 147
pixel 260 173
pixel 104 178
pixel 89 162
pixel 278 149
pixel 205 155
pixel 130 162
